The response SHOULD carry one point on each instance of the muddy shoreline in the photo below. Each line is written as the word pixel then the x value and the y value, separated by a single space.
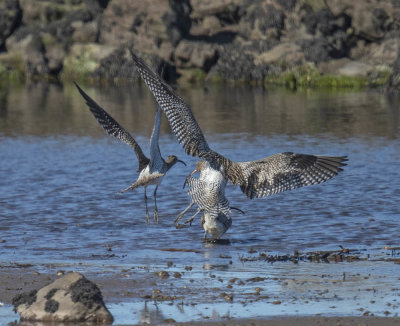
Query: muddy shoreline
pixel 333 286
pixel 18 279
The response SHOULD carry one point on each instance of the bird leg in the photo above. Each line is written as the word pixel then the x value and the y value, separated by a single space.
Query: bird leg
pixel 155 204
pixel 147 210
pixel 189 177
pixel 190 220
pixel 184 212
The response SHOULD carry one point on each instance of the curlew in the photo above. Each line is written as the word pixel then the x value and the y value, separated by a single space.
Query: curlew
pixel 258 178
pixel 151 171
pixel 208 192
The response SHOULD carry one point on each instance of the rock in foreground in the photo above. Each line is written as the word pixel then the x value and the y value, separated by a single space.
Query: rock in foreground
pixel 71 298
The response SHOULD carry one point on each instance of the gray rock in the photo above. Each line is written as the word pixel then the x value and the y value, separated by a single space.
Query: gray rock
pixel 370 20
pixel 10 15
pixel 263 21
pixel 71 298
pixel 393 84
pixel 85 32
pixel 227 39
pixel 346 67
pixel 177 20
pixel 30 49
pixel 41 13
pixel 208 26
pixel 380 53
pixel 43 49
pixel 142 23
pixel 237 61
pixel 287 53
pixel 226 10
pixel 118 64
pixel 195 55
pixel 317 49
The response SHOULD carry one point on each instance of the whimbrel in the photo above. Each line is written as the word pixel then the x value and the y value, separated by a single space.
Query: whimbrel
pixel 259 178
pixel 208 192
pixel 151 171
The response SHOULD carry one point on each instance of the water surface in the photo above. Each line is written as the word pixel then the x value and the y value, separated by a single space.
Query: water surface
pixel 60 176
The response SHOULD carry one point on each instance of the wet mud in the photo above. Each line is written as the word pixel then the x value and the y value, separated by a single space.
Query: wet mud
pixel 283 257
pixel 255 284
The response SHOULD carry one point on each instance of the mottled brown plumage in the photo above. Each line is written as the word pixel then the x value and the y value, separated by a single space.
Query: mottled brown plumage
pixel 151 171
pixel 259 178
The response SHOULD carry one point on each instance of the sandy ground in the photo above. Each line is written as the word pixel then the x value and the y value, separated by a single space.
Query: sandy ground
pixel 14 280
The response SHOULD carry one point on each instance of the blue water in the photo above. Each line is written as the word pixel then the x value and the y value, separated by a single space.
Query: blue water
pixel 60 177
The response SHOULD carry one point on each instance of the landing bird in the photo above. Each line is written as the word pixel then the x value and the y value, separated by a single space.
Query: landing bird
pixel 151 171
pixel 259 178
pixel 208 192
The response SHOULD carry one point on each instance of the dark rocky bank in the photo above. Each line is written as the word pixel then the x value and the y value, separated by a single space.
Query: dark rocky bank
pixel 332 43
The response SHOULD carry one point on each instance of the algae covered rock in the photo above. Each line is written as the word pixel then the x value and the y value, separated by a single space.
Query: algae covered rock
pixel 258 41
pixel 71 298
pixel 83 59
pixel 10 14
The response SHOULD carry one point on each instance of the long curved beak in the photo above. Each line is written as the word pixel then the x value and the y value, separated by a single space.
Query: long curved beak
pixel 181 162
pixel 238 209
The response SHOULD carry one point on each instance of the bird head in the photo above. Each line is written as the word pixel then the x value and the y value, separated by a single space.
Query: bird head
pixel 172 159
pixel 214 225
pixel 200 166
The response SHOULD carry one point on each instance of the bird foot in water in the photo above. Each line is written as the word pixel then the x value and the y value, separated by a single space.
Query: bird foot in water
pixel 217 241
pixel 178 218
pixel 189 220
pixel 156 217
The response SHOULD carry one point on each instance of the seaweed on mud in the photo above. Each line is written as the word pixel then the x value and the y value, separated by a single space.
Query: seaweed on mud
pixel 317 256
pixel 86 292
pixel 24 298
pixel 50 294
pixel 51 306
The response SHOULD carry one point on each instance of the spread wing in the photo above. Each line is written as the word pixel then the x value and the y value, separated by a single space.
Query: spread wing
pixel 259 178
pixel 179 114
pixel 113 128
pixel 286 171
pixel 156 160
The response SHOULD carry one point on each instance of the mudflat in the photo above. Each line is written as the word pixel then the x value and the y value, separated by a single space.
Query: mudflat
pixel 351 292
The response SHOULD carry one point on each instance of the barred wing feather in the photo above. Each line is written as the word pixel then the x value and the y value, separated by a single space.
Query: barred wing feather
pixel 113 128
pixel 209 197
pixel 286 171
pixel 179 114
pixel 259 178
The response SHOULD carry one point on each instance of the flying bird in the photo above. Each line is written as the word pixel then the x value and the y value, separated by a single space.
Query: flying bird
pixel 258 178
pixel 151 171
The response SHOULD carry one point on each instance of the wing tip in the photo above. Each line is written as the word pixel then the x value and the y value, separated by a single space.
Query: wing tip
pixel 78 87
pixel 88 99
pixel 334 161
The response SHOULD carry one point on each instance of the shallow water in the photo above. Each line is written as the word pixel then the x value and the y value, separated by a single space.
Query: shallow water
pixel 60 177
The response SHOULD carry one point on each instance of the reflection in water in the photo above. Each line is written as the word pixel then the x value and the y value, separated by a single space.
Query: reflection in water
pixel 48 109
pixel 60 173
pixel 151 315
pixel 60 177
